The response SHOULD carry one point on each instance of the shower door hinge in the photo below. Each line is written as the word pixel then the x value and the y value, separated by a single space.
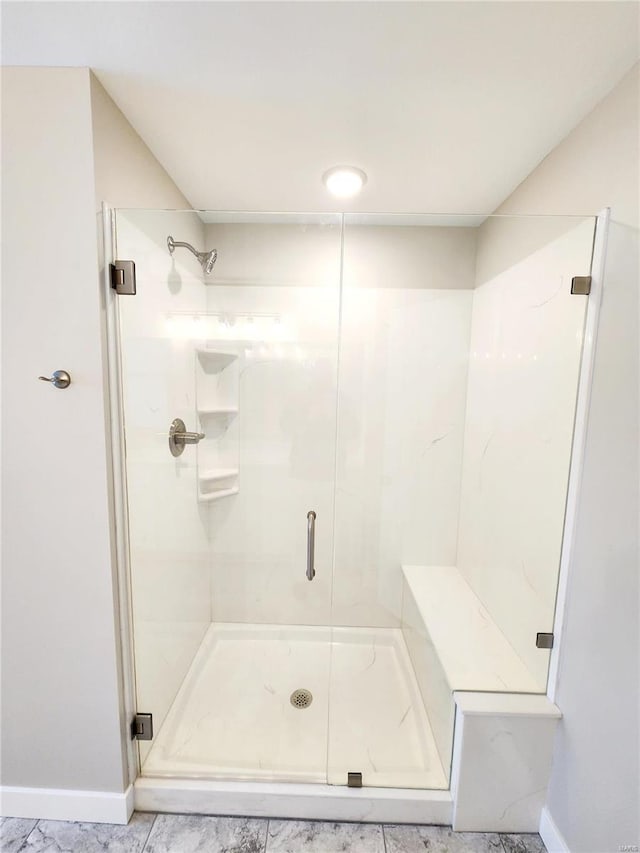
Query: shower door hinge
pixel 581 285
pixel 544 641
pixel 123 277
pixel 354 780
pixel 142 727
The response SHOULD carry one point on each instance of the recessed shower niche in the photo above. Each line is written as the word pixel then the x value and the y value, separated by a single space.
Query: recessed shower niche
pixel 217 400
pixel 384 372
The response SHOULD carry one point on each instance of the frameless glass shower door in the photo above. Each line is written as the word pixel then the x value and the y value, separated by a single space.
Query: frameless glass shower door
pixel 348 441
pixel 461 344
pixel 239 363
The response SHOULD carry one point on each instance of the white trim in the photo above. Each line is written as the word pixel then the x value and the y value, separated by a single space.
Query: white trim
pixel 61 804
pixel 292 800
pixel 579 441
pixel 551 835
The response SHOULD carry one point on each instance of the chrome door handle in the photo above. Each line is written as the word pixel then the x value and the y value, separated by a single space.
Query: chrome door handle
pixel 311 544
pixel 60 379
pixel 179 437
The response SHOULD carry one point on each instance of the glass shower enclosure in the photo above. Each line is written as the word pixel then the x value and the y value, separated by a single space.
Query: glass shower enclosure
pixel 347 455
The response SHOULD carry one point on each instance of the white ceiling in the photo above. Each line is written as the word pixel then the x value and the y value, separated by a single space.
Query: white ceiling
pixel 446 105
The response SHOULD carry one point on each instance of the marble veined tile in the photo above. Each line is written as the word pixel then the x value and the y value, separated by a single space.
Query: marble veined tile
pixel 56 836
pixel 439 839
pixel 232 715
pixel 294 836
pixel 13 832
pixel 528 843
pixel 377 721
pixel 198 834
pixel 474 652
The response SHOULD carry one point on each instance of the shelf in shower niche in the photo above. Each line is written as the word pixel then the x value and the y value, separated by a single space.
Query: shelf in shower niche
pixel 215 496
pixel 213 474
pixel 215 483
pixel 228 411
pixel 217 359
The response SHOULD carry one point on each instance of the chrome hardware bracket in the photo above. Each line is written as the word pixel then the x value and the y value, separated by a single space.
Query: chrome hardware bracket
pixel 544 641
pixel 142 727
pixel 123 277
pixel 581 285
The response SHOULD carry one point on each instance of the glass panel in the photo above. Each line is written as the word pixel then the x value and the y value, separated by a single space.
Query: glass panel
pixel 459 359
pixel 226 623
pixel 460 348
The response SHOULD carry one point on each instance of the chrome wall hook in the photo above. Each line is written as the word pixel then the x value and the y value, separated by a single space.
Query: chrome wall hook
pixel 60 379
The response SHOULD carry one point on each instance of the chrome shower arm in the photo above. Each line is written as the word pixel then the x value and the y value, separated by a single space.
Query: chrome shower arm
pixel 207 259
pixel 171 243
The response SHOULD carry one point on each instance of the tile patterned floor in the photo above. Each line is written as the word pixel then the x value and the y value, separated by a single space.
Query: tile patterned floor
pixel 163 833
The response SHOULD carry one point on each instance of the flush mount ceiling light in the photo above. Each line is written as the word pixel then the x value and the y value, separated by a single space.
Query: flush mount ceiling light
pixel 344 181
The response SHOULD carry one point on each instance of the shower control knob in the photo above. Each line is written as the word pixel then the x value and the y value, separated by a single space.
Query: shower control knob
pixel 60 379
pixel 179 436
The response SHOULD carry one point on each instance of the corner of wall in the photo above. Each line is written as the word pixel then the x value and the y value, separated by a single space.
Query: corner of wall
pixel 594 772
pixel 127 173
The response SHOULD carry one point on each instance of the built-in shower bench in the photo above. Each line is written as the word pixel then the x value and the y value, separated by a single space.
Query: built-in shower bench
pixel 473 652
pixel 470 677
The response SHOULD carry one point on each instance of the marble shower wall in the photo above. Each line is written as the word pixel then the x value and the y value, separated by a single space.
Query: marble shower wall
pixel 406 314
pixel 525 350
pixel 274 298
pixel 402 382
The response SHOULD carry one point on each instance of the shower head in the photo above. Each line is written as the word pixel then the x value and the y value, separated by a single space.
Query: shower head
pixel 207 259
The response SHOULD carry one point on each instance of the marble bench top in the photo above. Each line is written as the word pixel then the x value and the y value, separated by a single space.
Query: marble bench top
pixel 473 651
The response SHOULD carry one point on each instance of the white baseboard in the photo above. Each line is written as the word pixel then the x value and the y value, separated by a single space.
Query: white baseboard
pixel 60 804
pixel 551 835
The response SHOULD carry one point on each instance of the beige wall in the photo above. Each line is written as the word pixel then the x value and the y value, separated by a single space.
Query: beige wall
pixel 62 717
pixel 127 174
pixel 596 165
pixel 60 668
pixel 593 791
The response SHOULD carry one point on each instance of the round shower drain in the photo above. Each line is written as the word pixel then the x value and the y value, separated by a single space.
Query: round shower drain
pixel 301 698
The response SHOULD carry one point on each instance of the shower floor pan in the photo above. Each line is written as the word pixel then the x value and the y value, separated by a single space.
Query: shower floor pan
pixel 233 717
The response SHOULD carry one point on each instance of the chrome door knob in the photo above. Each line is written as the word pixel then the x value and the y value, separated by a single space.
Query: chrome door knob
pixel 60 379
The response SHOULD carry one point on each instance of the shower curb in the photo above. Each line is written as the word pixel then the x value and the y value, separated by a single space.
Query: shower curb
pixel 293 800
